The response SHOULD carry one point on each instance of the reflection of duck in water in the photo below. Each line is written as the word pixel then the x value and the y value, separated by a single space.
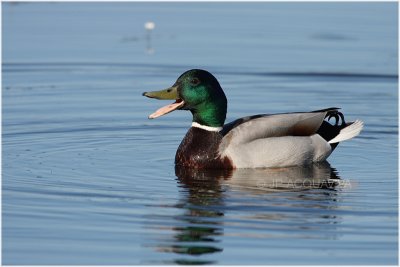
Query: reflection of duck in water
pixel 319 175
pixel 259 141
pixel 200 225
pixel 199 229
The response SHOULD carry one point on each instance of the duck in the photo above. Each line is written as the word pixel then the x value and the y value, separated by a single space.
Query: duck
pixel 258 141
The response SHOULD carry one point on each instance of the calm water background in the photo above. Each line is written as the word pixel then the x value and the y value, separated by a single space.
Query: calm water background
pixel 88 179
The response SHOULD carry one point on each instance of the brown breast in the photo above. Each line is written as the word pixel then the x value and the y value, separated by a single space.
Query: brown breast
pixel 199 149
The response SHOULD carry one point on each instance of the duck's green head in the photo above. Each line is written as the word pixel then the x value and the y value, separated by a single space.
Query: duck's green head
pixel 198 91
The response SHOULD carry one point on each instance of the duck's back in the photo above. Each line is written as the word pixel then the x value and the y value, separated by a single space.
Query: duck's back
pixel 287 139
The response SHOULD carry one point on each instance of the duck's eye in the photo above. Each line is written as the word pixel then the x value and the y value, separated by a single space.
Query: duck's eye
pixel 195 81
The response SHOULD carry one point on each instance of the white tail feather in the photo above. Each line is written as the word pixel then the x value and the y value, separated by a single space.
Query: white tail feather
pixel 349 132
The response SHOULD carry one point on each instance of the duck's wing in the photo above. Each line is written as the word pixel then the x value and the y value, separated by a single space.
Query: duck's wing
pixel 251 128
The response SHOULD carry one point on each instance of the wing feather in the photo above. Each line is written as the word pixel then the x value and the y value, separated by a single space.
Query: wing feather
pixel 248 129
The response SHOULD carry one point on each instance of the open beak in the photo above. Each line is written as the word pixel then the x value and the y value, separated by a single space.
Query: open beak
pixel 169 93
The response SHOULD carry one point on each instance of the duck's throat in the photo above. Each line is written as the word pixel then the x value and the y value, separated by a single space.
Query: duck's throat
pixel 209 115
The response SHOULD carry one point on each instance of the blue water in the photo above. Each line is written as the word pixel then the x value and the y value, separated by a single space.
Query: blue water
pixel 88 179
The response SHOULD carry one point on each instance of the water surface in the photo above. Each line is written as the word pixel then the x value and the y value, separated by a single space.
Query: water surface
pixel 88 179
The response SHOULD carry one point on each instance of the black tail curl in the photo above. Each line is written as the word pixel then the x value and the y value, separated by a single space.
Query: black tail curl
pixel 339 117
pixel 327 130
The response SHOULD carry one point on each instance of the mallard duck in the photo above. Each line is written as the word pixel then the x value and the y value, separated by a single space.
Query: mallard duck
pixel 259 141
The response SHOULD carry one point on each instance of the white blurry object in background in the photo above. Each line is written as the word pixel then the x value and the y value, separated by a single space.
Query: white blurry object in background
pixel 149 26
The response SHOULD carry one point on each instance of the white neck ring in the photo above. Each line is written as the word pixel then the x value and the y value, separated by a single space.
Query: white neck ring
pixel 207 128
